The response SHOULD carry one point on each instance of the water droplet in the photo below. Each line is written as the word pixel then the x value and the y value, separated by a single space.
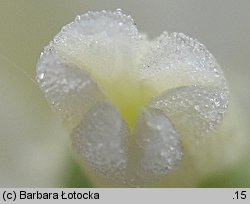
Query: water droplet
pixel 196 107
pixel 41 76
pixel 78 18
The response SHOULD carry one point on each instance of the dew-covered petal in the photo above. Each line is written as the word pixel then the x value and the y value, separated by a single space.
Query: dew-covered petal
pixel 100 140
pixel 175 60
pixel 194 110
pixel 68 89
pixel 104 43
pixel 159 142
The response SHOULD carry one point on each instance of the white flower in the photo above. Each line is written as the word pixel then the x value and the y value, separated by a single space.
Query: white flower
pixel 136 109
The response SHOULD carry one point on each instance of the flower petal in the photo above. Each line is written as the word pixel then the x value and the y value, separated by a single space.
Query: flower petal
pixel 159 142
pixel 100 140
pixel 175 60
pixel 69 90
pixel 103 43
pixel 194 110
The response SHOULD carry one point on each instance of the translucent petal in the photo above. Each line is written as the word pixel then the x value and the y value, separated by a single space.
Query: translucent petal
pixel 194 110
pixel 100 140
pixel 175 60
pixel 160 144
pixel 103 43
pixel 69 90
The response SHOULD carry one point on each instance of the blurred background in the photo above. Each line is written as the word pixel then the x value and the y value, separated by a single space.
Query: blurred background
pixel 34 149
